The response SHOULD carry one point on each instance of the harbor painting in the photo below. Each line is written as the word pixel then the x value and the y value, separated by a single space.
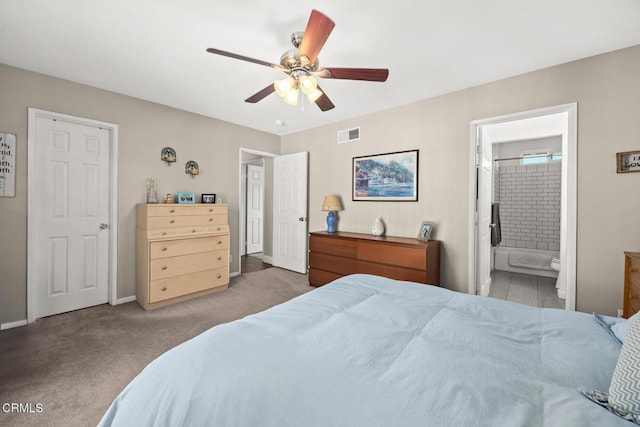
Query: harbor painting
pixel 386 177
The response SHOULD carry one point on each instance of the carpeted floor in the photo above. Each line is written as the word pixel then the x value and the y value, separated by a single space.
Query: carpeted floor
pixel 65 370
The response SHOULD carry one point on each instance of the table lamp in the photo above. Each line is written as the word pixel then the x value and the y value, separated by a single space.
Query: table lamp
pixel 331 203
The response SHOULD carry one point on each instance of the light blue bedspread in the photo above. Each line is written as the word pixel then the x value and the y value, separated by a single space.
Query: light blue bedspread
pixel 369 351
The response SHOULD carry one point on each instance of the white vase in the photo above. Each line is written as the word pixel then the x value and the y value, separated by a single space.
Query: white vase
pixel 378 227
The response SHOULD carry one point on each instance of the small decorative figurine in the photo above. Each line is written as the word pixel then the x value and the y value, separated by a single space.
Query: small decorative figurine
pixel 169 198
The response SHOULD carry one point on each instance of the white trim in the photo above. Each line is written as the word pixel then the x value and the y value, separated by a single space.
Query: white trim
pixel 11 325
pixel 241 236
pixel 568 238
pixel 125 300
pixel 33 114
pixel 267 259
pixel 234 274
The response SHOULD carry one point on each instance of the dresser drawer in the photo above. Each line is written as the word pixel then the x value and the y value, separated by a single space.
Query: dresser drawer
pixel 184 264
pixel 339 247
pixel 321 277
pixel 332 263
pixel 172 287
pixel 186 232
pixel 171 248
pixel 164 222
pixel 392 272
pixel 176 209
pixel 393 255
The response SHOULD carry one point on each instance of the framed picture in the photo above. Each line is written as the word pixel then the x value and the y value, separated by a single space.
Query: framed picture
pixel 208 198
pixel 186 197
pixel 425 230
pixel 628 161
pixel 386 177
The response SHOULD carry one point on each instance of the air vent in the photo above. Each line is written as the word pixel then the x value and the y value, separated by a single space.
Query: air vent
pixel 348 135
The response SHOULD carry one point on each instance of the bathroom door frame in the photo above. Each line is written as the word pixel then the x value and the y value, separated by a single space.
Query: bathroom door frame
pixel 559 119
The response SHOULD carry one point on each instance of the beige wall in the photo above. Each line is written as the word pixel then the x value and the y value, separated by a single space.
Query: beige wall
pixel 144 128
pixel 607 90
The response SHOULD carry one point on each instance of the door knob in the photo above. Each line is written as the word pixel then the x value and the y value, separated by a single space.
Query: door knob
pixel 103 226
pixel 492 225
pixel 302 219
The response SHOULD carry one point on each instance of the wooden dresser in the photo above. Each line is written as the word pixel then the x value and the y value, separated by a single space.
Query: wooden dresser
pixel 333 255
pixel 182 251
pixel 631 284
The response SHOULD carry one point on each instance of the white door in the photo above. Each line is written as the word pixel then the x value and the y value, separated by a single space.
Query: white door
pixel 485 170
pixel 255 208
pixel 290 211
pixel 72 204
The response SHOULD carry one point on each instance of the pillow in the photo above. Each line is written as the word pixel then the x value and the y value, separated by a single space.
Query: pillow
pixel 624 391
pixel 615 326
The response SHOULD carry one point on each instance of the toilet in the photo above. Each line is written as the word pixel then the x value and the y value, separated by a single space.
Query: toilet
pixel 555 264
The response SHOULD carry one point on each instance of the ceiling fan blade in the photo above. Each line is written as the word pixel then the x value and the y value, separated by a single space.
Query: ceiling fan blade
pixel 324 103
pixel 315 35
pixel 244 58
pixel 258 96
pixel 368 74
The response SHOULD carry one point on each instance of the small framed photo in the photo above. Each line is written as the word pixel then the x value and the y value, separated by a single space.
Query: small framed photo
pixel 208 198
pixel 425 230
pixel 186 197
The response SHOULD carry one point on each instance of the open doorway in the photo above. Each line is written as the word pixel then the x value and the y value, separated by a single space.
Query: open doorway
pixel 542 126
pixel 255 210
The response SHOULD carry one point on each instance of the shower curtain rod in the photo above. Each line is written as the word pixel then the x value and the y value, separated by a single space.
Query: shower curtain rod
pixel 548 155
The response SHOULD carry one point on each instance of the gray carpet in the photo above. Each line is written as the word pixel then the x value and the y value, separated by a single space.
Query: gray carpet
pixel 75 364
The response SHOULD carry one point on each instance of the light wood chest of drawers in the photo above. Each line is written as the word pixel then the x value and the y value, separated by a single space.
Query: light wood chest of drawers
pixel 631 284
pixel 182 252
pixel 333 255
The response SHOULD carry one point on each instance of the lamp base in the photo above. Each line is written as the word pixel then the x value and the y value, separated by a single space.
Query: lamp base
pixel 331 222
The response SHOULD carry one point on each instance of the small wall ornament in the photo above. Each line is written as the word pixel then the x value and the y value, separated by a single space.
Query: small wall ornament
pixel 191 168
pixel 168 155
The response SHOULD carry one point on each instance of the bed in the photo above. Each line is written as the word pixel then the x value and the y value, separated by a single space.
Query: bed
pixel 369 351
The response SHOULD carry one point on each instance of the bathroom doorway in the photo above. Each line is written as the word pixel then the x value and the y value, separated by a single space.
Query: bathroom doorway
pixel 525 251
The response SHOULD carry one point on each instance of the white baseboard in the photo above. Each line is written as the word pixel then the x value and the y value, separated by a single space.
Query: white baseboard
pixel 267 259
pixel 125 300
pixel 15 324
pixel 234 274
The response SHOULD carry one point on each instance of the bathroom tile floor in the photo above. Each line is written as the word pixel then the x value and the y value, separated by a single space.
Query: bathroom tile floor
pixel 536 291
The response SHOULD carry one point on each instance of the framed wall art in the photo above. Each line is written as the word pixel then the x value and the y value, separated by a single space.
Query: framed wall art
pixel 386 177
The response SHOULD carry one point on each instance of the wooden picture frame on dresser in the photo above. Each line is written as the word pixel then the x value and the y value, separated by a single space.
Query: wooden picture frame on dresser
pixel 333 255
pixel 182 252
pixel 631 284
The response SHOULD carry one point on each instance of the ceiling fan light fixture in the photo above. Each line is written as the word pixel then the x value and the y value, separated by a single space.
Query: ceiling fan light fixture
pixel 284 86
pixel 308 84
pixel 291 97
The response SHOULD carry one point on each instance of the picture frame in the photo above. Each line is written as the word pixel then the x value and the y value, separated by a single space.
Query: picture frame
pixel 628 161
pixel 186 197
pixel 207 198
pixel 426 228
pixel 388 177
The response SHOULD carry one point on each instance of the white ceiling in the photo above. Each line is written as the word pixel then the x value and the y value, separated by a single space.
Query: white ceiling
pixel 156 49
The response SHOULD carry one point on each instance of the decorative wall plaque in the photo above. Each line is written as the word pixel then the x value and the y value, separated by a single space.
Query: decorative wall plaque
pixel 628 161
pixel 7 165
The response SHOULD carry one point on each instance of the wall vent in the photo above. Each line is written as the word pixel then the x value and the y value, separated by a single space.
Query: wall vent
pixel 348 135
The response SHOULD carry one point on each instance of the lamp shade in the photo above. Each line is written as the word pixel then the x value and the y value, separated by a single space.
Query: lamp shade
pixel 331 203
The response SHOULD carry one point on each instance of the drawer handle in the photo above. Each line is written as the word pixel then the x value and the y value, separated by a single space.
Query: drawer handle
pixel 219 242
pixel 172 210
pixel 210 219
pixel 219 228
pixel 633 269
pixel 164 249
pixel 210 209
pixel 164 288
pixel 219 276
pixel 172 221
pixel 632 296
pixel 193 231
pixel 164 233
pixel 219 258
pixel 164 267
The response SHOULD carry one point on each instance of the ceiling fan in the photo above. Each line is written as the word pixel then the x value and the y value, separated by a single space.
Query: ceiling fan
pixel 301 65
